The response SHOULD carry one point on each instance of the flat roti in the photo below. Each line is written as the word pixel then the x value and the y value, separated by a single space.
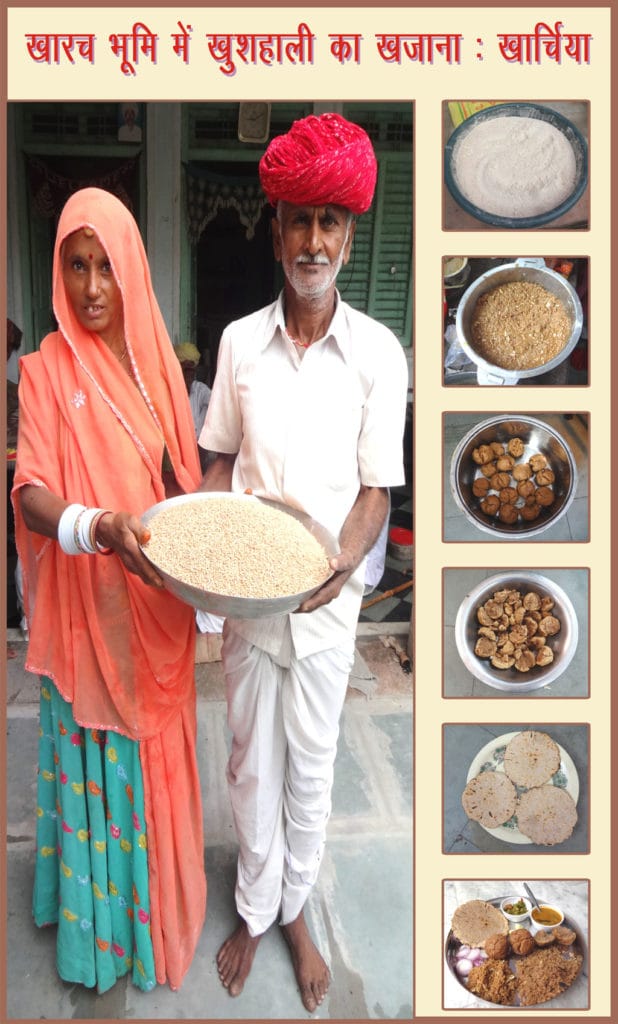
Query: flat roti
pixel 531 758
pixel 490 798
pixel 475 921
pixel 546 815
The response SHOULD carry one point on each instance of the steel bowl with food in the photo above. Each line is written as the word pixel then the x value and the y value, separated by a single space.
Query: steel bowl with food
pixel 535 111
pixel 516 908
pixel 538 438
pixel 526 270
pixel 230 546
pixel 501 982
pixel 545 917
pixel 563 644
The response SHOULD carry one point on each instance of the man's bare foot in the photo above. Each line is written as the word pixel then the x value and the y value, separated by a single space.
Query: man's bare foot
pixel 235 957
pixel 312 974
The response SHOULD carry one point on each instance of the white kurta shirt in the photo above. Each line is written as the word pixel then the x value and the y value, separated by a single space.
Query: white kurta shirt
pixel 199 397
pixel 308 432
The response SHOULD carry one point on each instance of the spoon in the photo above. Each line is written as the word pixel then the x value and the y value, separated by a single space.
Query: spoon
pixel 531 895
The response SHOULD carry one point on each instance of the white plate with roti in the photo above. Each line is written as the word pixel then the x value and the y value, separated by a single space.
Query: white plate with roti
pixel 547 803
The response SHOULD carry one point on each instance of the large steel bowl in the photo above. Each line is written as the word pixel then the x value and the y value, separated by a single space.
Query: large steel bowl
pixel 563 644
pixel 533 110
pixel 235 606
pixel 538 437
pixel 533 271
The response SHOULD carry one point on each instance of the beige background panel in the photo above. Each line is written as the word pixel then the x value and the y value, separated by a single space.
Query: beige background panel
pixel 201 78
pixel 428 86
pixel 430 403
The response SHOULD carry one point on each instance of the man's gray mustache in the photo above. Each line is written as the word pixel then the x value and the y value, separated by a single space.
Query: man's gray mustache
pixel 318 258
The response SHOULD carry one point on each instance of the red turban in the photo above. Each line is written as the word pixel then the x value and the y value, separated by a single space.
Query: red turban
pixel 320 160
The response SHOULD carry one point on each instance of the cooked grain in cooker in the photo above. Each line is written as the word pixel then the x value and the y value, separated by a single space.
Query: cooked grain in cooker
pixel 236 548
pixel 519 325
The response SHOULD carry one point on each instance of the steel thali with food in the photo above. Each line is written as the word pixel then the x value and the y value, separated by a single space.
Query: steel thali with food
pixel 453 948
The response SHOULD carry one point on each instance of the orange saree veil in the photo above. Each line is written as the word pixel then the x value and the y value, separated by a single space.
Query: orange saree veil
pixel 120 651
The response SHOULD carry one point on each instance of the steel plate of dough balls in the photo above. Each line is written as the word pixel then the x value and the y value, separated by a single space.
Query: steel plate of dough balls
pixel 530 442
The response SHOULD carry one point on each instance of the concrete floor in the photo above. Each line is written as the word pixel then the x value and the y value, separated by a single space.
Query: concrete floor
pixel 360 912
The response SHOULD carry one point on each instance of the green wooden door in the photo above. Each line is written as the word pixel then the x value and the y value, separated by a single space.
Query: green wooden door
pixel 378 278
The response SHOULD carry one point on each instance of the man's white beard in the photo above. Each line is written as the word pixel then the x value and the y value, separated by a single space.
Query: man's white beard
pixel 307 288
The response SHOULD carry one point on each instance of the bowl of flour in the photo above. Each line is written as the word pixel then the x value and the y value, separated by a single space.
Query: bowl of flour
pixel 516 165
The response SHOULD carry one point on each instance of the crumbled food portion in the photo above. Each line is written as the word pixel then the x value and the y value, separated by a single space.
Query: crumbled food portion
pixel 519 325
pixel 509 633
pixel 545 973
pixel 493 981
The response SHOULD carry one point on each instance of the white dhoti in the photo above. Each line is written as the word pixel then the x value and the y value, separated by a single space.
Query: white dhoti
pixel 285 724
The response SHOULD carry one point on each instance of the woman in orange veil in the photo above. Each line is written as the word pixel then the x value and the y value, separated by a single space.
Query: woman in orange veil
pixel 105 431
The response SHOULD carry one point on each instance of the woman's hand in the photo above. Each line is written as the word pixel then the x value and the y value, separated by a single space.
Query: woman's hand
pixel 123 533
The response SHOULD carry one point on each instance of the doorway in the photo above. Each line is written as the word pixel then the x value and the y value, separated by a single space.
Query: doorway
pixel 235 275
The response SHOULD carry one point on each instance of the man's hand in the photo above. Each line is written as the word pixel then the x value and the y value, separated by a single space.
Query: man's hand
pixel 343 565
pixel 358 535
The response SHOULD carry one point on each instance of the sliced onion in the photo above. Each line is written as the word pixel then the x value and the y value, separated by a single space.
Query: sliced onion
pixel 463 951
pixel 463 966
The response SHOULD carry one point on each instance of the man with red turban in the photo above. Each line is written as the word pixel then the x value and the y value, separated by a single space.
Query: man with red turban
pixel 308 409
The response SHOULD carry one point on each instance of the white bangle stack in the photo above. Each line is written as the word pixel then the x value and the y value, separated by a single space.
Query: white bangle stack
pixel 77 529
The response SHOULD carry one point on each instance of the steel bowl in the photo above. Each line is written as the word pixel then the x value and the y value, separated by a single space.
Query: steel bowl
pixel 538 437
pixel 534 110
pixel 564 644
pixel 533 271
pixel 235 606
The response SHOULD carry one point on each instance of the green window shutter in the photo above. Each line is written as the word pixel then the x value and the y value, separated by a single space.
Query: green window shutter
pixel 378 278
pixel 354 280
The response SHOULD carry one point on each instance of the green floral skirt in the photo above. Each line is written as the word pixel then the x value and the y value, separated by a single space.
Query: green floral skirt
pixel 91 876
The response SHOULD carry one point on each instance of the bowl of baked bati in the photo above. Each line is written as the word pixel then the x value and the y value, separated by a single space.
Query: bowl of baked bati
pixel 513 476
pixel 516 165
pixel 237 555
pixel 516 631
pixel 518 321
